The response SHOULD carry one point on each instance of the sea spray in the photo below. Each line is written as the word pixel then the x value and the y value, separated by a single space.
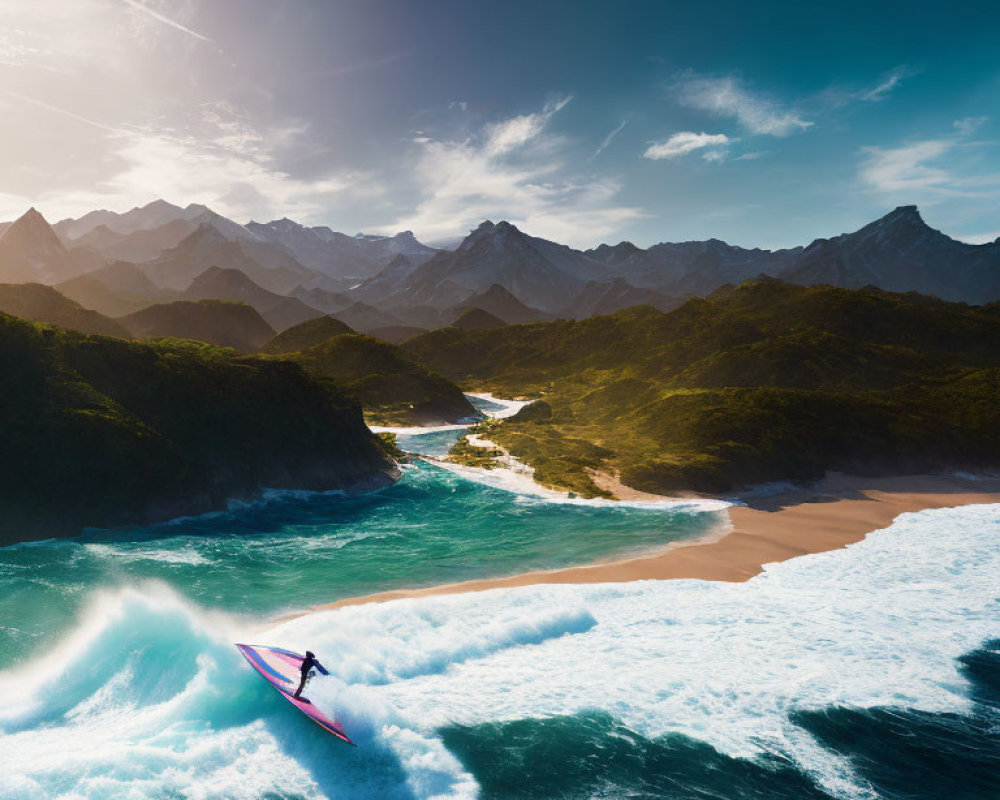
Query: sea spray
pixel 149 693
pixel 880 624
pixel 149 698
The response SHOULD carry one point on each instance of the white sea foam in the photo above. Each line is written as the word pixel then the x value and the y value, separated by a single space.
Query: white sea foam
pixel 521 482
pixel 149 693
pixel 880 623
pixel 181 556
pixel 414 430
pixel 508 407
pixel 149 698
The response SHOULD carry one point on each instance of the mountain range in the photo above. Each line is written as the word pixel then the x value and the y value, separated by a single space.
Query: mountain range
pixel 119 263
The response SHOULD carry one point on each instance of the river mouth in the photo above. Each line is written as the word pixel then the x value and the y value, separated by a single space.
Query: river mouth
pixel 289 551
pixel 436 440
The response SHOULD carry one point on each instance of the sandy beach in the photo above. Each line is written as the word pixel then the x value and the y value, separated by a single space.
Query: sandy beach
pixel 832 513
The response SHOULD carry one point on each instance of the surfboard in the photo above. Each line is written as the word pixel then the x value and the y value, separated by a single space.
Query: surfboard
pixel 282 669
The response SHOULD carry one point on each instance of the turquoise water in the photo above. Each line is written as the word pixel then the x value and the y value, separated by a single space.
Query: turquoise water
pixel 294 550
pixel 438 442
pixel 865 673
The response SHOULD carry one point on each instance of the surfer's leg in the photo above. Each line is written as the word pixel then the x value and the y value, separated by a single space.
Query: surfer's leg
pixel 302 685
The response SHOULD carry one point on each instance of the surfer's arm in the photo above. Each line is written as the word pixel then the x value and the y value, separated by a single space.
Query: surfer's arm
pixel 321 668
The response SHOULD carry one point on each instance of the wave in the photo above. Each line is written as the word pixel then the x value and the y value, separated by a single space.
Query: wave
pixel 148 697
pixel 879 624
pixel 521 482
pixel 897 753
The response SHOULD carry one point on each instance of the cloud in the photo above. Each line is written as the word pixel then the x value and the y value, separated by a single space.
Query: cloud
pixel 165 20
pixel 503 137
pixel 888 82
pixel 932 168
pixel 969 125
pixel 224 162
pixel 905 168
pixel 728 97
pixel 234 176
pixel 981 238
pixel 608 140
pixel 511 169
pixel 680 144
pixel 61 111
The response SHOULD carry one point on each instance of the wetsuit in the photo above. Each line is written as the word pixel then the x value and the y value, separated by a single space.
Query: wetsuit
pixel 307 664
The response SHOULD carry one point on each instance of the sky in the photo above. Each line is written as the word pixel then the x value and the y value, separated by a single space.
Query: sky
pixel 765 124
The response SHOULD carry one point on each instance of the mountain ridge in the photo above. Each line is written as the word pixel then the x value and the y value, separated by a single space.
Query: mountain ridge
pixel 218 322
pixel 222 283
pixel 420 286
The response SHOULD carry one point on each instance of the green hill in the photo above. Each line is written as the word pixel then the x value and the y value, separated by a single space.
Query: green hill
pixel 39 303
pixel 763 381
pixel 103 432
pixel 396 333
pixel 391 387
pixel 306 334
pixel 219 322
pixel 476 319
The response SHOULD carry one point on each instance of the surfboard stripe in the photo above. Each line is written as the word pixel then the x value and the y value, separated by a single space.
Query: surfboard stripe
pixel 261 665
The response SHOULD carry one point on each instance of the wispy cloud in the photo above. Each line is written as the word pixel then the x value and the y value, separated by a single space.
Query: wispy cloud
pixel 608 140
pixel 165 20
pixel 61 111
pixel 729 97
pixel 680 144
pixel 969 125
pixel 232 173
pixel 931 168
pixel 511 169
pixel 981 238
pixel 503 137
pixel 227 163
pixel 906 168
pixel 886 84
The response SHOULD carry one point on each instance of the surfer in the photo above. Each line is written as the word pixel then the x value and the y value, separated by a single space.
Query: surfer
pixel 307 664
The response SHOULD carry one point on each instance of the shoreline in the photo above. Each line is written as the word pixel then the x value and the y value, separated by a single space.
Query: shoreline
pixel 827 515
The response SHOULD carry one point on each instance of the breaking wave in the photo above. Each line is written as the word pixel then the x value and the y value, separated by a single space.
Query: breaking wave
pixel 858 673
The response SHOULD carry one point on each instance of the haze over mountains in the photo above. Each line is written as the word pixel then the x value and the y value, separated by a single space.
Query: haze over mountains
pixel 118 264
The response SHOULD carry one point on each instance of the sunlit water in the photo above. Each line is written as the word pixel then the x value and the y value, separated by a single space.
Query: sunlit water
pixel 865 672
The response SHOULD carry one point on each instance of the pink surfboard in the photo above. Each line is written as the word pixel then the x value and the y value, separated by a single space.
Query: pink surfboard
pixel 281 668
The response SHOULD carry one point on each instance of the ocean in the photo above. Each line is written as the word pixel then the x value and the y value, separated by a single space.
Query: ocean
pixel 868 672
